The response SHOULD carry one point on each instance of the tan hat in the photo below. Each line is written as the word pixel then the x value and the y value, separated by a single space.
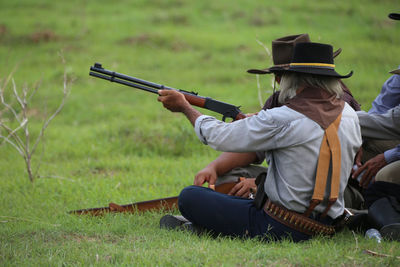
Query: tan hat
pixel 282 50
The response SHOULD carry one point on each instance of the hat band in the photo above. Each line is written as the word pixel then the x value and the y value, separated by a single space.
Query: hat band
pixel 323 65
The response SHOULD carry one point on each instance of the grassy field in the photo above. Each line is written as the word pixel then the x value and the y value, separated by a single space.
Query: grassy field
pixel 112 143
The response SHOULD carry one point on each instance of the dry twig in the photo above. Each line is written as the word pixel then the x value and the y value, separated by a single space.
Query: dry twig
pixel 23 143
pixel 377 254
pixel 260 98
pixel 354 234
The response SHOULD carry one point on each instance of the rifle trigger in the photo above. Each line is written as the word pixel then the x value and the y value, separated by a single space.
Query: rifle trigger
pixel 223 118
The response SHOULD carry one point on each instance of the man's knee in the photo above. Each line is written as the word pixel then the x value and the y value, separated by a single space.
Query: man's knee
pixel 188 196
pixel 389 173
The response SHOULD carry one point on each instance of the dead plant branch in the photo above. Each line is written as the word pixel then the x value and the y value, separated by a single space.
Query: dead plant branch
pixel 22 143
pixel 355 238
pixel 260 97
pixel 377 254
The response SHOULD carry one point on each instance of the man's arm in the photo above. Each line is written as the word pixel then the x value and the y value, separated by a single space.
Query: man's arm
pixel 380 126
pixel 223 164
pixel 392 154
pixel 175 102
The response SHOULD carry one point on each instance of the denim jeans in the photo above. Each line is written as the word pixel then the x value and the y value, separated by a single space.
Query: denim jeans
pixel 231 216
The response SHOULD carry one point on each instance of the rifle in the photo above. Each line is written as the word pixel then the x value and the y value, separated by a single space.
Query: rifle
pixel 227 110
pixel 168 203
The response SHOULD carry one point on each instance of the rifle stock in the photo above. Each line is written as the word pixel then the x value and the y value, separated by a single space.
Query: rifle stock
pixel 227 110
pixel 168 203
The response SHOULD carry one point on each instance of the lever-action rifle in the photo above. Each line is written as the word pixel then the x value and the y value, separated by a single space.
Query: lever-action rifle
pixel 227 110
pixel 168 203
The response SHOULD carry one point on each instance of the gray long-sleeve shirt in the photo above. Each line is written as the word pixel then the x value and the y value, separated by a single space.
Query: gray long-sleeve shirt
pixel 382 126
pixel 290 142
pixel 382 120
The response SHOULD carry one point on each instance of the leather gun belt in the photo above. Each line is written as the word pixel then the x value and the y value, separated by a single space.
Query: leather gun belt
pixel 297 221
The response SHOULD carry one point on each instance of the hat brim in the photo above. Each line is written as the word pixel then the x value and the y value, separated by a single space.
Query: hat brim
pixel 283 67
pixel 257 71
pixel 395 71
pixel 395 16
pixel 320 71
pixel 273 69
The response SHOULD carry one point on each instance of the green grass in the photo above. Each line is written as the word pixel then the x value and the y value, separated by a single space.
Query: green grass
pixel 114 143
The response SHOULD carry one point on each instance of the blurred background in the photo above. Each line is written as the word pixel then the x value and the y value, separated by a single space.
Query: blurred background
pixel 112 143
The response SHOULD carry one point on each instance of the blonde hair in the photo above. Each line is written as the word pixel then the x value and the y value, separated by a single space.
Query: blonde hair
pixel 291 81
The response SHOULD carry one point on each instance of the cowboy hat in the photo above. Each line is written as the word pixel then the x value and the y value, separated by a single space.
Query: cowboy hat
pixel 282 50
pixel 314 58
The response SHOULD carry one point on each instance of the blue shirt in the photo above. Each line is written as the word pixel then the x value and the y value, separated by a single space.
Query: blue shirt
pixel 388 98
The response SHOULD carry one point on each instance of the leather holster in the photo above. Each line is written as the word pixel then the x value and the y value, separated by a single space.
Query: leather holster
pixel 260 197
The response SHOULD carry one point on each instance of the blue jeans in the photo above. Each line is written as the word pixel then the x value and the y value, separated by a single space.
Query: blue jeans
pixel 231 216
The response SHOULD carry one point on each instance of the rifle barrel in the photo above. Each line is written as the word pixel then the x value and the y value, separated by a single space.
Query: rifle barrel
pixel 130 78
pixel 227 110
pixel 113 79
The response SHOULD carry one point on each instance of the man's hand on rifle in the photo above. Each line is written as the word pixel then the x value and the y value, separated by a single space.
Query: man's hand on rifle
pixel 244 188
pixel 176 102
pixel 173 100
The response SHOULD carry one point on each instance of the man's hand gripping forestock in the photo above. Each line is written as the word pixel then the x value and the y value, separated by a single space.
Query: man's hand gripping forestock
pixel 176 102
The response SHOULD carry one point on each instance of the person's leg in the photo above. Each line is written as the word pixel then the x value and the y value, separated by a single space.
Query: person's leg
pixel 353 198
pixel 229 215
pixel 390 173
pixel 379 190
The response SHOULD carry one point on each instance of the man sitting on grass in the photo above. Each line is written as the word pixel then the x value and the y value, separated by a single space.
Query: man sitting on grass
pixel 282 50
pixel 309 143
pixel 380 165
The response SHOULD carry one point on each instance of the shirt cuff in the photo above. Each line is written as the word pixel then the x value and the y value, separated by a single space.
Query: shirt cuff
pixel 197 127
pixel 392 154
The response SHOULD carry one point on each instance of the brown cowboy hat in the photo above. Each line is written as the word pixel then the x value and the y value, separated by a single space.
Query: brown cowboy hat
pixel 396 71
pixel 395 16
pixel 314 58
pixel 282 50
